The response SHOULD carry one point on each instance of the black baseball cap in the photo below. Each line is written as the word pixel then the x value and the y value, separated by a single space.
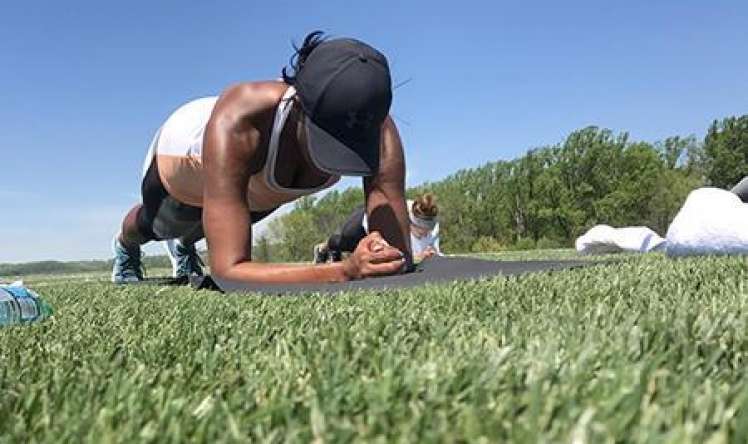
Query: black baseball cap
pixel 346 91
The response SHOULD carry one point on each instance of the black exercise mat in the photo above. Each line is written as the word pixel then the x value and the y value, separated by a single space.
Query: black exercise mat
pixel 161 281
pixel 435 270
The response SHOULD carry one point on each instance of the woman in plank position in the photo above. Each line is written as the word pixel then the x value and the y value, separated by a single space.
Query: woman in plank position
pixel 219 164
pixel 424 232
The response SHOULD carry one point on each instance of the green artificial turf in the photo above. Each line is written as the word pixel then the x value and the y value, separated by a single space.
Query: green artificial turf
pixel 648 349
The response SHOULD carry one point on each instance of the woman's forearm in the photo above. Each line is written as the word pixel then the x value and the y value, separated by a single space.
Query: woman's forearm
pixel 266 273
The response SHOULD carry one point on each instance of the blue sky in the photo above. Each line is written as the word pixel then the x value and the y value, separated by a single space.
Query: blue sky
pixel 84 85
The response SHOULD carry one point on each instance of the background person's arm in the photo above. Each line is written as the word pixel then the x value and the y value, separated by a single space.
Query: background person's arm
pixel 386 210
pixel 230 145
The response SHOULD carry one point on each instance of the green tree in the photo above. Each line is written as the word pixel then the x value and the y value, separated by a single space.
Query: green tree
pixel 294 234
pixel 726 151
pixel 676 151
pixel 262 249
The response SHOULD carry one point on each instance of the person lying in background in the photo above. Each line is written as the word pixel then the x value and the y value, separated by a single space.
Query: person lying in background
pixel 424 232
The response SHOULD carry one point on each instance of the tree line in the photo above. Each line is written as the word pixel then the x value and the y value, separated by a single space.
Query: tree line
pixel 547 197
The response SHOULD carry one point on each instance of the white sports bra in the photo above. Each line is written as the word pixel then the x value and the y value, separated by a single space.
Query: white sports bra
pixel 178 145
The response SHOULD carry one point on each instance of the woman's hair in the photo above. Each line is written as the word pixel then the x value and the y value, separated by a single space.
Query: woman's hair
pixel 311 41
pixel 424 206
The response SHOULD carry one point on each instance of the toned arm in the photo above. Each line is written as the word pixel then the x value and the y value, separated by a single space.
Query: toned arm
pixel 231 143
pixel 385 192
pixel 231 154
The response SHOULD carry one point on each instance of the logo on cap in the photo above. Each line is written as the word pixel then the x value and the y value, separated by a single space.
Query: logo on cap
pixel 354 121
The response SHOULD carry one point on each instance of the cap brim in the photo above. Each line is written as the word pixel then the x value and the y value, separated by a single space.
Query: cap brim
pixel 332 156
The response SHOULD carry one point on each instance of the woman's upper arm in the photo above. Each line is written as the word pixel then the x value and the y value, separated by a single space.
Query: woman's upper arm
pixel 229 146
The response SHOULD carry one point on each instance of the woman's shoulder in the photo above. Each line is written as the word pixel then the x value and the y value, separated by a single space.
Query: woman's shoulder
pixel 251 98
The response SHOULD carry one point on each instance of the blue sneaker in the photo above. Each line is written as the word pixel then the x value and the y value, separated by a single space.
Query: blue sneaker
pixel 128 266
pixel 184 259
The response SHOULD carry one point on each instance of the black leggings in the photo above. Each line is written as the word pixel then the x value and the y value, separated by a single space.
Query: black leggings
pixel 163 217
pixel 347 239
pixel 741 189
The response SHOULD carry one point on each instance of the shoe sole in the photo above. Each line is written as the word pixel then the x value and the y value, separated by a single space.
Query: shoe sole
pixel 115 280
pixel 316 255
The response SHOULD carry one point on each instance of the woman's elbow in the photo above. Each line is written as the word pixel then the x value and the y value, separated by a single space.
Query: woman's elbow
pixel 222 269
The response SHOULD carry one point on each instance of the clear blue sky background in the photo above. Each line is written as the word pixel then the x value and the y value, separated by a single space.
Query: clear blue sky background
pixel 84 85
